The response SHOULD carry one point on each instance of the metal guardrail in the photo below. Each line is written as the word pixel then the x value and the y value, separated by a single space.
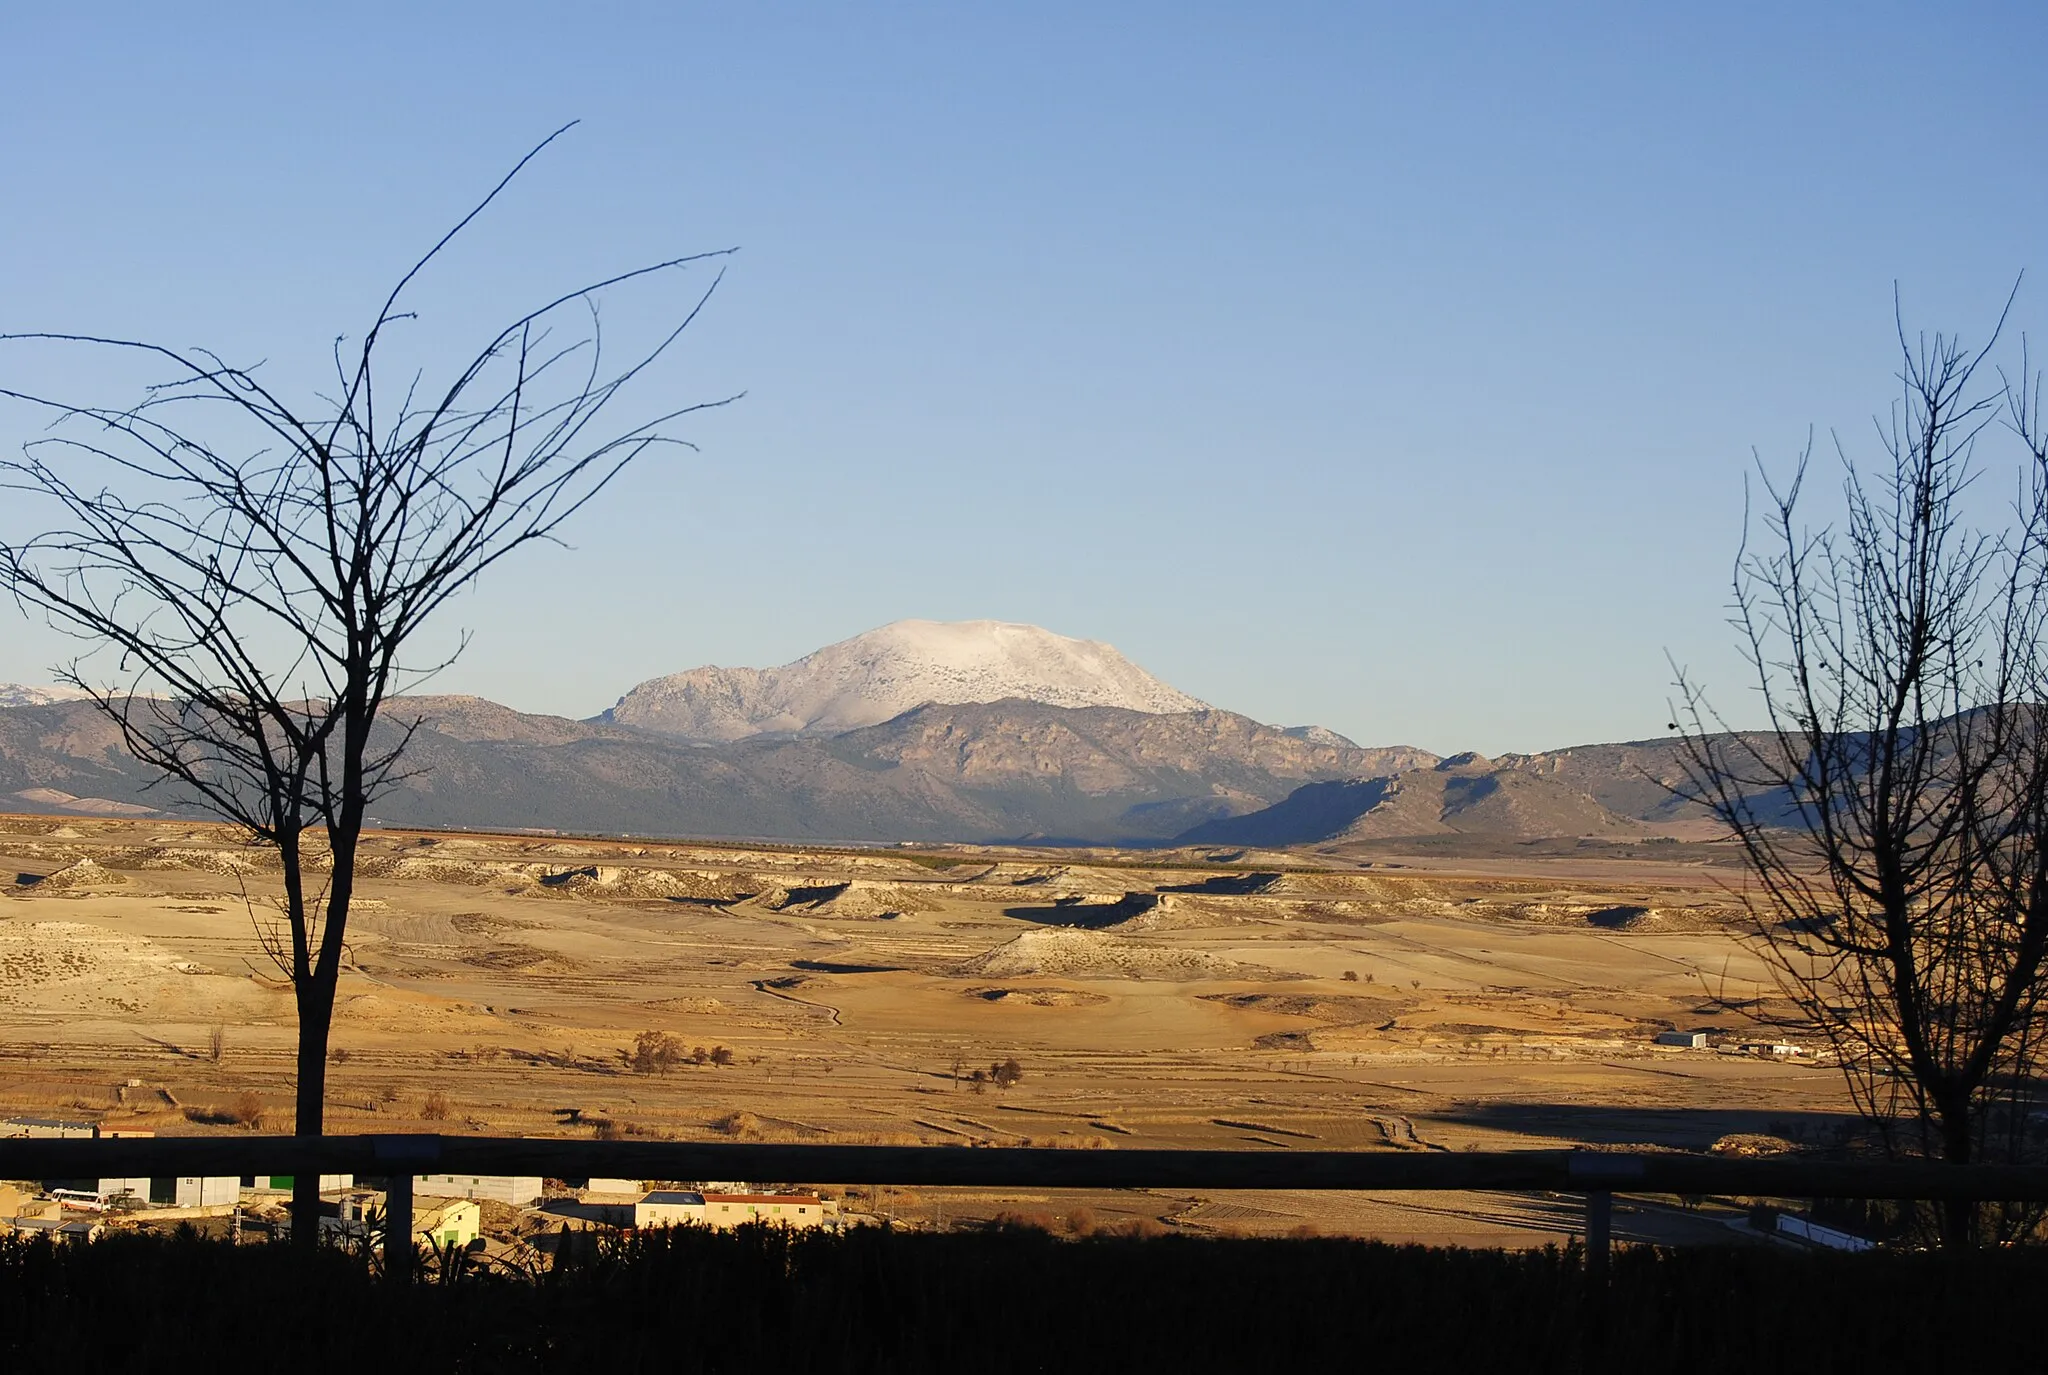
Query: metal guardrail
pixel 1594 1173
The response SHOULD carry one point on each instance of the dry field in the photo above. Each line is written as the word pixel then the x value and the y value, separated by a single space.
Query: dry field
pixel 497 984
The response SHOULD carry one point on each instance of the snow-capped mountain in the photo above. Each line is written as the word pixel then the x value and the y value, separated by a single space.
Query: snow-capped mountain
pixel 881 674
pixel 22 695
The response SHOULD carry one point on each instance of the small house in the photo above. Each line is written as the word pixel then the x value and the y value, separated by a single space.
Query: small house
pixel 1685 1040
pixel 352 1212
pixel 61 1228
pixel 454 1224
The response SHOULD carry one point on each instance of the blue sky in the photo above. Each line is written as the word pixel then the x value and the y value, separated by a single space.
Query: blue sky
pixel 1389 367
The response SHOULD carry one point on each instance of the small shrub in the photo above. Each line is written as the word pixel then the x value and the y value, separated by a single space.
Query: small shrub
pixel 217 1043
pixel 1082 1222
pixel 1010 1220
pixel 721 1056
pixel 1144 1228
pixel 1351 976
pixel 738 1124
pixel 340 1055
pixel 247 1110
pixel 434 1107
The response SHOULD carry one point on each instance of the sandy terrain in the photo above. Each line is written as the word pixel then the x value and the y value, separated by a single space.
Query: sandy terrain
pixel 1190 1006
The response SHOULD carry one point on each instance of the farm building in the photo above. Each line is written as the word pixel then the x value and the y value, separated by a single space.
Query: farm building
pixel 1689 1040
pixel 48 1129
pixel 516 1189
pixel 791 1210
pixel 674 1207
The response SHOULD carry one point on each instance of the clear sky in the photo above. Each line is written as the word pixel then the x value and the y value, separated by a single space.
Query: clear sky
pixel 1388 367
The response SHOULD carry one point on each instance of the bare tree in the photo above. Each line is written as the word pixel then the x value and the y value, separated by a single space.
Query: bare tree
pixel 258 568
pixel 1895 811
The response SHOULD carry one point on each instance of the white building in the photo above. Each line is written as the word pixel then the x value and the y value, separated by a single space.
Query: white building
pixel 166 1191
pixel 669 1208
pixel 1689 1040
pixel 516 1189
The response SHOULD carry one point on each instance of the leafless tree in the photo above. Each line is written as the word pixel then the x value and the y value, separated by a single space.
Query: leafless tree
pixel 1895 812
pixel 254 569
pixel 655 1052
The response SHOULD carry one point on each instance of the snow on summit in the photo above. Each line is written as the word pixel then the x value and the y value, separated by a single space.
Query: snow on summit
pixel 886 672
pixel 25 695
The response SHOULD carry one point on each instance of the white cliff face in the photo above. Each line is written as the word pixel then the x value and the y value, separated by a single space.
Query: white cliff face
pixel 884 673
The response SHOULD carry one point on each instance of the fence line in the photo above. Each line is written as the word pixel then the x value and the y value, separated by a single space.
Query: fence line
pixel 1559 1171
pixel 1597 1174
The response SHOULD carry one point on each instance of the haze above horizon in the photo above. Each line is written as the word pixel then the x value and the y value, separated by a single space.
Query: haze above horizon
pixel 1395 372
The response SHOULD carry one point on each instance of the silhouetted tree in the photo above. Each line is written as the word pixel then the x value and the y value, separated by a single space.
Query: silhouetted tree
pixel 1895 812
pixel 258 567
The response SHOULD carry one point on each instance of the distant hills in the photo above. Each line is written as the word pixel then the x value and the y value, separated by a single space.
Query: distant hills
pixel 1605 791
pixel 1001 770
pixel 920 731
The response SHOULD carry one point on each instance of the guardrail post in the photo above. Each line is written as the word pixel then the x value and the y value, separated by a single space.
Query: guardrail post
pixel 400 1156
pixel 1599 1229
pixel 398 1247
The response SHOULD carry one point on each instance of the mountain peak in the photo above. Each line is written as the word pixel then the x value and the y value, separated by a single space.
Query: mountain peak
pixel 884 672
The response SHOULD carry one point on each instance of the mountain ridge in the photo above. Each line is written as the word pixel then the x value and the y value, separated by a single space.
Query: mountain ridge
pixel 975 771
pixel 881 673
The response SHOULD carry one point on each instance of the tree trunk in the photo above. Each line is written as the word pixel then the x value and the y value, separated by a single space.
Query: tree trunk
pixel 316 1013
pixel 1958 1216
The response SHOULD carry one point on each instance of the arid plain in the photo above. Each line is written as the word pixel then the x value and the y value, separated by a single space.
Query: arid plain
pixel 1190 998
